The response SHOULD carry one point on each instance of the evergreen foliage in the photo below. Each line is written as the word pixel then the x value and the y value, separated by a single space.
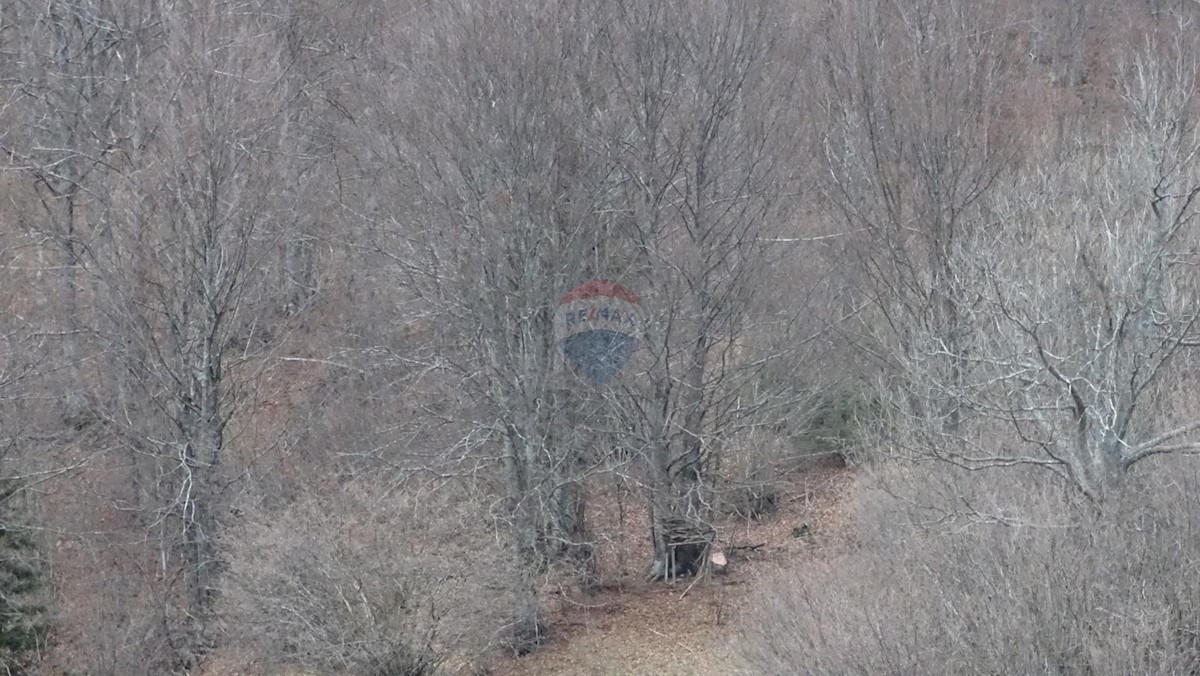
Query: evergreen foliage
pixel 22 615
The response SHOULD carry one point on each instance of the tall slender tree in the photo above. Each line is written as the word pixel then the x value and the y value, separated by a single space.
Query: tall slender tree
pixel 704 106
pixel 201 207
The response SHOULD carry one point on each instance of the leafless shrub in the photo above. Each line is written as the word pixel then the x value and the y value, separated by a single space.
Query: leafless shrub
pixel 129 631
pixel 964 573
pixel 748 478
pixel 363 583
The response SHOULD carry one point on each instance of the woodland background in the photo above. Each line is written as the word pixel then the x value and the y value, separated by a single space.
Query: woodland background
pixel 280 394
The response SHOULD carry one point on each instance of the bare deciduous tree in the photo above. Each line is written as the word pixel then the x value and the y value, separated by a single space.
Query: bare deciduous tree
pixel 180 276
pixel 495 211
pixel 914 102
pixel 700 156
pixel 1082 288
pixel 1059 37
pixel 70 67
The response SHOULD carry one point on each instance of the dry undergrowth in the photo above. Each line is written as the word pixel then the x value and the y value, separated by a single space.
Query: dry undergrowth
pixel 634 627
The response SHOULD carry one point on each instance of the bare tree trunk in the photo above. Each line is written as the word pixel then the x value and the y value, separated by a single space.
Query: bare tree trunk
pixel 528 629
pixel 300 273
pixel 690 469
pixel 1076 67
pixel 567 531
pixel 69 223
pixel 201 427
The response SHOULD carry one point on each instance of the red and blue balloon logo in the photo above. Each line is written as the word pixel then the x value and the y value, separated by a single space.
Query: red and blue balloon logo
pixel 597 324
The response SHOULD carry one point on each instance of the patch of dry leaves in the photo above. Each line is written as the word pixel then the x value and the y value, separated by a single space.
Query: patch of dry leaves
pixel 638 628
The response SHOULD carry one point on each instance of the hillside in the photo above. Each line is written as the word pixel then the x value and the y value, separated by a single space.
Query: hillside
pixel 366 337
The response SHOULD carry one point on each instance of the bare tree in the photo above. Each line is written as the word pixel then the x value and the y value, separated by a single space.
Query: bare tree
pixel 70 66
pixel 493 214
pixel 181 276
pixel 647 152
pixel 705 106
pixel 1059 37
pixel 914 98
pixel 1082 286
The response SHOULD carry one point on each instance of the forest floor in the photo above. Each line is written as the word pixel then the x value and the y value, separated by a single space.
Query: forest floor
pixel 686 629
